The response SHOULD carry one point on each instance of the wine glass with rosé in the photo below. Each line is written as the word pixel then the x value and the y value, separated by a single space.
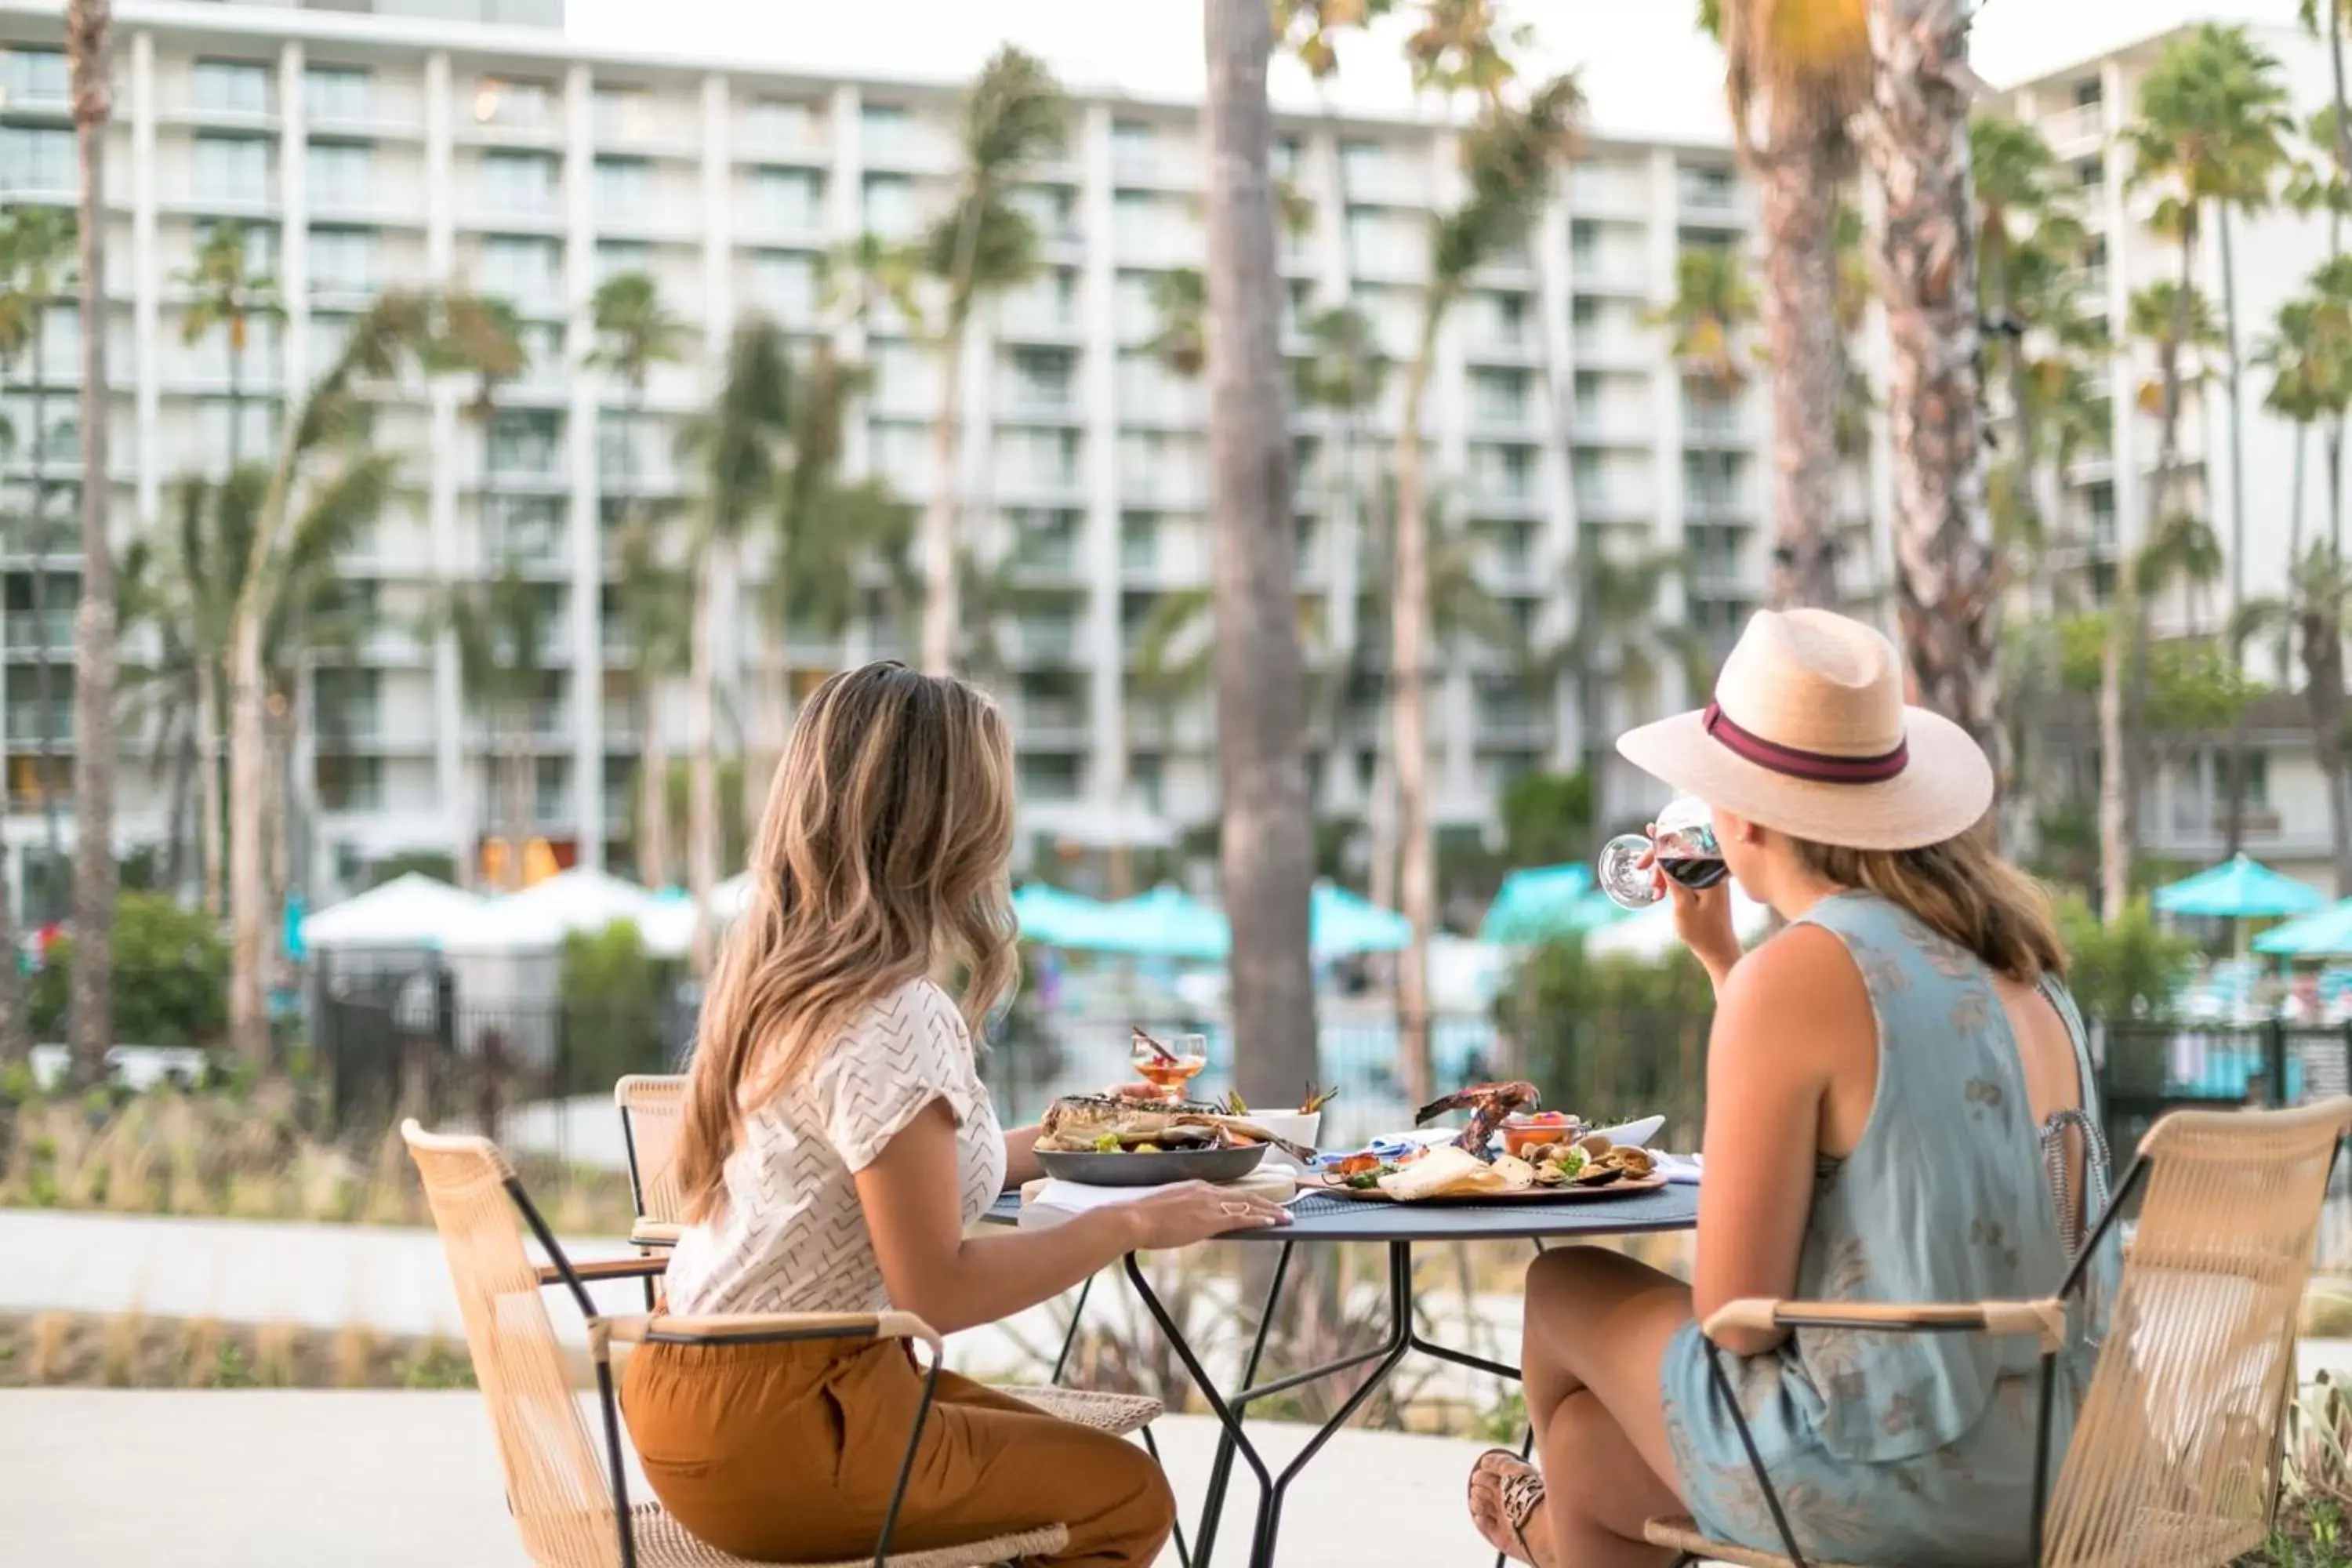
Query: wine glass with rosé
pixel 1170 1066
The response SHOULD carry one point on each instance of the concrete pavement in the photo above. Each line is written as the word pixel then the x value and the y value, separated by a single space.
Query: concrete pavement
pixel 270 1479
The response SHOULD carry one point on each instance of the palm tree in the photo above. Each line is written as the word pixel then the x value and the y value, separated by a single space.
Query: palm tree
pixel 1797 72
pixel 226 295
pixel 738 443
pixel 1509 158
pixel 655 605
pixel 500 629
pixel 2309 621
pixel 2174 315
pixel 322 432
pixel 1708 318
pixel 1266 846
pixel 2338 137
pixel 37 248
pixel 88 46
pixel 2311 378
pixel 1013 117
pixel 636 331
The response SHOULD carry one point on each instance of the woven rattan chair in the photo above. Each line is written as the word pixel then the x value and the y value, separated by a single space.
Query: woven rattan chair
pixel 2175 1460
pixel 572 1510
pixel 650 1110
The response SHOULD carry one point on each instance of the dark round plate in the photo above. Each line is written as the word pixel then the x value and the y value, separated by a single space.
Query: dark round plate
pixel 1152 1170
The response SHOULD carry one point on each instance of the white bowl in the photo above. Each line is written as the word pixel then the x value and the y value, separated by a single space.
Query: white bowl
pixel 1288 1124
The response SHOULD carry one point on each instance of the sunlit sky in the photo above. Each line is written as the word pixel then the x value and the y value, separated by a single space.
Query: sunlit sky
pixel 1647 70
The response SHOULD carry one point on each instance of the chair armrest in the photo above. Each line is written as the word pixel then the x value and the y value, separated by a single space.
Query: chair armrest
pixel 655 1232
pixel 723 1328
pixel 2045 1319
pixel 607 1268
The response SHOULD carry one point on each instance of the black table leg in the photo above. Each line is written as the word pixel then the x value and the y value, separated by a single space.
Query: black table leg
pixel 1070 1340
pixel 1221 1469
pixel 1201 1379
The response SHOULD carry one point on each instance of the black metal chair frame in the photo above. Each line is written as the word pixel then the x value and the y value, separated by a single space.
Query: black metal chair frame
pixel 600 1351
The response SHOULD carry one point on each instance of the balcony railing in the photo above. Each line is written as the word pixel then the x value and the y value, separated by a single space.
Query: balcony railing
pixel 49 630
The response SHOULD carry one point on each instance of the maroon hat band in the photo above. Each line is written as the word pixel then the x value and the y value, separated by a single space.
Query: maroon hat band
pixel 1813 767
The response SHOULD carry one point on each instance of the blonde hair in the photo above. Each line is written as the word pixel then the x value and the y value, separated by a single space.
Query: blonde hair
pixel 883 851
pixel 1962 889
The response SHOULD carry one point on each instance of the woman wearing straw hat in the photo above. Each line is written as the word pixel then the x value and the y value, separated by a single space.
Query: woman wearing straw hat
pixel 1877 1077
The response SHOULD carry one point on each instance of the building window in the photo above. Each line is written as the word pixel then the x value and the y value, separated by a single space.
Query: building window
pixel 623 113
pixel 1048 775
pixel 1501 395
pixel 1047 541
pixel 337 92
pixel 232 168
pixel 503 100
pixel 1134 148
pixel 38 159
pixel 1051 210
pixel 29 77
pixel 2089 173
pixel 350 784
pixel 1707 186
pixel 518 268
pixel 780 123
pixel 889 205
pixel 623 185
pixel 784 284
pixel 339 173
pixel 1139 541
pixel 528 529
pixel 231 86
pixel 525 442
pixel 518 181
pixel 2088 90
pixel 1041 378
pixel 787 198
pixel 551 792
pixel 1584 314
pixel 617 256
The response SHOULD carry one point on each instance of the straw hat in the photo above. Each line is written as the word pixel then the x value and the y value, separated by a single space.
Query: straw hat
pixel 1809 736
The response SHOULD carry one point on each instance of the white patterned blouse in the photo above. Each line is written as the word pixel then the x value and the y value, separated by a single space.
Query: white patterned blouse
pixel 792 1236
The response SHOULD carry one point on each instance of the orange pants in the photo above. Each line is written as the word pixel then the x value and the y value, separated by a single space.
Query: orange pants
pixel 788 1453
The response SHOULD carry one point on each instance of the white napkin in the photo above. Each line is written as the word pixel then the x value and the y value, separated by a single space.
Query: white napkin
pixel 1053 1200
pixel 1680 1168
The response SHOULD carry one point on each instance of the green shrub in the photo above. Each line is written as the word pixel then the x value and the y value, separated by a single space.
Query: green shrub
pixel 614 996
pixel 171 977
pixel 2131 968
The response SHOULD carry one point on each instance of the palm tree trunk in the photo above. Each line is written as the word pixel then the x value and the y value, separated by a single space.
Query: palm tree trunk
pixel 1408 700
pixel 702 764
pixel 235 390
pixel 1799 208
pixel 44 782
pixel 2115 827
pixel 2234 829
pixel 941 614
pixel 1947 604
pixel 2333 445
pixel 653 792
pixel 249 763
pixel 521 789
pixel 281 838
pixel 2343 118
pixel 87 26
pixel 1267 842
pixel 2323 661
pixel 208 779
pixel 16 1023
pixel 2294 502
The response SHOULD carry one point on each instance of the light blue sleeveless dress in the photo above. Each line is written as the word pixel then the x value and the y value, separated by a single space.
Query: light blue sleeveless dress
pixel 1888 1447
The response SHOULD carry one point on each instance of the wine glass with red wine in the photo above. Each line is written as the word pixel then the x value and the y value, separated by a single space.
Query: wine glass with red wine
pixel 1686 851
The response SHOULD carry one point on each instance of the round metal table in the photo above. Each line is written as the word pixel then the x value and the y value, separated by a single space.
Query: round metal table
pixel 1321 1217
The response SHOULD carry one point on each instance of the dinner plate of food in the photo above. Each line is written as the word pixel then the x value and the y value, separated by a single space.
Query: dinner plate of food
pixel 1113 1141
pixel 1591 1167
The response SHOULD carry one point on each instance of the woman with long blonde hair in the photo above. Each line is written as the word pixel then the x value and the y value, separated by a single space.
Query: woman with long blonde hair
pixel 838 1146
pixel 1878 1079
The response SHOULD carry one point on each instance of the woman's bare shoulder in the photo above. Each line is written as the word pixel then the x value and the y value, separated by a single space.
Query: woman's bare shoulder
pixel 1800 990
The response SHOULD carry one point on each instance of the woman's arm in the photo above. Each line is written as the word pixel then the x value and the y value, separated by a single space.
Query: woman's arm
pixel 1788 1015
pixel 913 1202
pixel 1021 1158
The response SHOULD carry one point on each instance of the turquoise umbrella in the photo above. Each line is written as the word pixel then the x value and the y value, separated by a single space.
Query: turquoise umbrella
pixel 2238 889
pixel 1165 923
pixel 1544 901
pixel 2327 934
pixel 1054 917
pixel 1341 923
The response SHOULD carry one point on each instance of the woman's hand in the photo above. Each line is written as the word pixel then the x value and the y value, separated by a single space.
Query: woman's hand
pixel 1188 1212
pixel 1702 919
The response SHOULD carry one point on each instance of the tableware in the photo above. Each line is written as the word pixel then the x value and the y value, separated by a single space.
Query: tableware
pixel 1295 1126
pixel 1649 1184
pixel 1153 1169
pixel 1635 1134
pixel 1686 851
pixel 1171 1067
pixel 1521 1133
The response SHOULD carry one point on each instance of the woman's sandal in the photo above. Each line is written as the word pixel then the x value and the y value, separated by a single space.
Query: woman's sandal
pixel 1520 1495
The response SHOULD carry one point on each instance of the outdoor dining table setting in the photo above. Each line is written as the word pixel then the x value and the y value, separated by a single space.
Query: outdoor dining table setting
pixel 1509 1172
